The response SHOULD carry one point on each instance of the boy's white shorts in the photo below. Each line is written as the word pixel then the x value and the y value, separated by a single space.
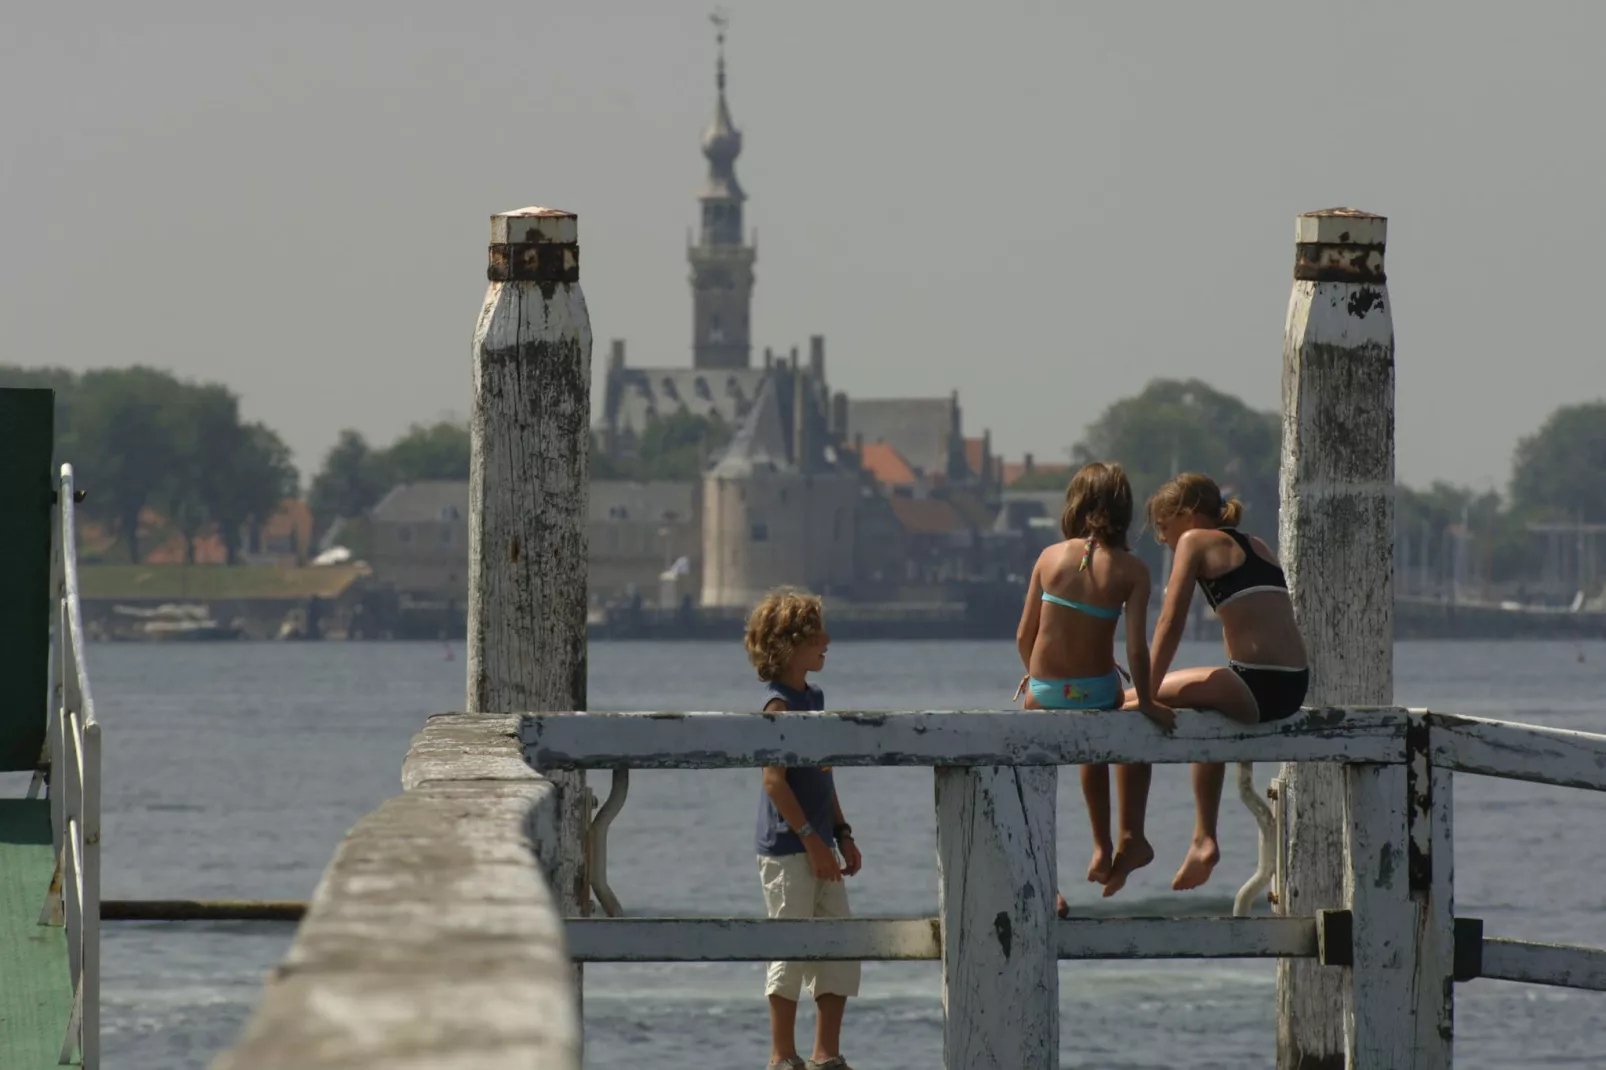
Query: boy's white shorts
pixel 791 890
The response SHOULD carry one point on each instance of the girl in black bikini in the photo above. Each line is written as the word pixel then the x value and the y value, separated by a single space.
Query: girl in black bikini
pixel 1266 672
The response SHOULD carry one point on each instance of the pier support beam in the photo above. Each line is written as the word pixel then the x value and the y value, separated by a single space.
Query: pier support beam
pixel 528 486
pixel 1336 543
pixel 995 862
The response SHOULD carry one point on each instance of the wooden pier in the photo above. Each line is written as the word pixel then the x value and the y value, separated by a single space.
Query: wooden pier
pixel 451 925
pixel 1365 932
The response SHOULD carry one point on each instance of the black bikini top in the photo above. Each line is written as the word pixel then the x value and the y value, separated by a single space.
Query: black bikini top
pixel 1254 575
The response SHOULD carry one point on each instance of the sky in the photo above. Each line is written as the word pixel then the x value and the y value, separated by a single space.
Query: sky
pixel 1041 205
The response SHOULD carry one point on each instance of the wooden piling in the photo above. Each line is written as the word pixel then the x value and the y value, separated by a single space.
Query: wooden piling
pixel 1336 533
pixel 528 485
pixel 995 861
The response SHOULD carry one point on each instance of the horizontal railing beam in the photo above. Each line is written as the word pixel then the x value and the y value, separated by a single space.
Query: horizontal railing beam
pixel 941 738
pixel 1562 965
pixel 906 939
pixel 1187 938
pixel 1518 751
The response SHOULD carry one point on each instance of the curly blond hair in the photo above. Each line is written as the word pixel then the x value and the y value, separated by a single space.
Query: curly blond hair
pixel 783 621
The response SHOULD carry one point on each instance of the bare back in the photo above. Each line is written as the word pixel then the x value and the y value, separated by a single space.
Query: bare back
pixel 1072 642
pixel 1257 628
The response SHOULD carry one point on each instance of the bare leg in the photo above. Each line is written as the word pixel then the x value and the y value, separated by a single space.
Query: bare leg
pixel 1132 849
pixel 1096 792
pixel 828 1026
pixel 1097 872
pixel 1221 690
pixel 1204 852
pixel 783 1028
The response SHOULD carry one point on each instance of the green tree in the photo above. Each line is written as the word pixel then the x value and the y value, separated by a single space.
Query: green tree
pixel 1560 470
pixel 125 442
pixel 434 451
pixel 207 425
pixel 246 482
pixel 351 481
pixel 1189 426
pixel 679 446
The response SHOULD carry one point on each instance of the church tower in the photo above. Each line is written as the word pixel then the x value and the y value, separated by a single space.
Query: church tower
pixel 721 265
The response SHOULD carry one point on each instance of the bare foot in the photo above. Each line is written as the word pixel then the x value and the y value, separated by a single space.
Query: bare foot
pixel 1134 854
pixel 1062 909
pixel 1098 870
pixel 1196 868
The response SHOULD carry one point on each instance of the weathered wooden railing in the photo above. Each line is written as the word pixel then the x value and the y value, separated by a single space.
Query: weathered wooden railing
pixel 434 938
pixel 1395 937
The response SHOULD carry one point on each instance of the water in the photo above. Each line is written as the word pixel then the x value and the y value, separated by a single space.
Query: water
pixel 232 770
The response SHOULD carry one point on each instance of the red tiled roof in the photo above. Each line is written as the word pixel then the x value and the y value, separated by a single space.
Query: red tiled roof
pixel 976 455
pixel 927 516
pixel 887 465
pixel 1014 470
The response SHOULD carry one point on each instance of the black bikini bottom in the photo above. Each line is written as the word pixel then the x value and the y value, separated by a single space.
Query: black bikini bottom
pixel 1278 692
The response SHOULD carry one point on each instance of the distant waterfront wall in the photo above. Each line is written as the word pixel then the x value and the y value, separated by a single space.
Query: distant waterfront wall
pixel 433 939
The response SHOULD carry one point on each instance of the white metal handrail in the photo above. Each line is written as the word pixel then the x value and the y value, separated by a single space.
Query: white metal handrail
pixel 74 763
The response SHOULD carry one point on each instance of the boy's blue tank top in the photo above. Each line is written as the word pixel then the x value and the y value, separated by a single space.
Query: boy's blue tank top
pixel 815 789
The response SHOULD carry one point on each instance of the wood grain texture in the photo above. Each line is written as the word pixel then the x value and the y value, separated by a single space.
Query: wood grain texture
pixel 1336 530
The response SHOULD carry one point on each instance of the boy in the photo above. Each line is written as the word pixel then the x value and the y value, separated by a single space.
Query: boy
pixel 800 827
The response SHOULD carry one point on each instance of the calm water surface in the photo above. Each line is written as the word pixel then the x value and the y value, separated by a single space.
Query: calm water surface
pixel 232 770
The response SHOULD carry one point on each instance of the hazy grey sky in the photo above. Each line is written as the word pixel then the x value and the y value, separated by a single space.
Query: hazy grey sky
pixel 1042 205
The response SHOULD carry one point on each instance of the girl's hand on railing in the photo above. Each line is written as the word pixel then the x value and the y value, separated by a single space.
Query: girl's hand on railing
pixel 1160 714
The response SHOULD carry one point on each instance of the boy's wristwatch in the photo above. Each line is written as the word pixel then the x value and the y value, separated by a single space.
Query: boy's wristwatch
pixel 806 831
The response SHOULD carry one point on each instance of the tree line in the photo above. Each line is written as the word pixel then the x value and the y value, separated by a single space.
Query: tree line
pixel 1558 473
pixel 145 439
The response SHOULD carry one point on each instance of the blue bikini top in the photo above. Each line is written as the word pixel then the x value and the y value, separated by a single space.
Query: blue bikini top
pixel 1100 612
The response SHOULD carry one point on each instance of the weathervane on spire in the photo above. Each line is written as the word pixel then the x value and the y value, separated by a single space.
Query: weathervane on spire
pixel 721 19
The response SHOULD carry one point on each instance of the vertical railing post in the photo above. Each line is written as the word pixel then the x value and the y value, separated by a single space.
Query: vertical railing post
pixel 1380 1011
pixel 996 872
pixel 1336 542
pixel 528 486
pixel 1433 887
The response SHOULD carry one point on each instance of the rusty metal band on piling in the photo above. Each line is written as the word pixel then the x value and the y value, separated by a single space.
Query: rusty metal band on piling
pixel 1343 262
pixel 535 262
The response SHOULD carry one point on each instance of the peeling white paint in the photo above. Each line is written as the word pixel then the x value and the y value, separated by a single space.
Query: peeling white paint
pixel 1337 551
pixel 996 884
pixel 1001 737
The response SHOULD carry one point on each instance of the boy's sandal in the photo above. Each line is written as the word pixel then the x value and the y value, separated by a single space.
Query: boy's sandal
pixel 835 1062
pixel 793 1063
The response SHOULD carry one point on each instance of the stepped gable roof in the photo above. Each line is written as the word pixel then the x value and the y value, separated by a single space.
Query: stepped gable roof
pixel 918 428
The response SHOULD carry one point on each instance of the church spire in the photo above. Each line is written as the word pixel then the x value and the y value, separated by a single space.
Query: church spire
pixel 721 263
pixel 722 142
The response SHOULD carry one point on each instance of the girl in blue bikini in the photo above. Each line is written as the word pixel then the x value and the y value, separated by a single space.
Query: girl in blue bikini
pixel 1067 643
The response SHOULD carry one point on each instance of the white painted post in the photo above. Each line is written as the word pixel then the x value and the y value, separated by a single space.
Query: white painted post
pixel 996 873
pixel 1336 539
pixel 528 486
pixel 1434 992
pixel 1380 1014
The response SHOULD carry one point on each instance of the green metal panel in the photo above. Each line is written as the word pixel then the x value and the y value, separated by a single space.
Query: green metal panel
pixel 27 428
pixel 36 994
